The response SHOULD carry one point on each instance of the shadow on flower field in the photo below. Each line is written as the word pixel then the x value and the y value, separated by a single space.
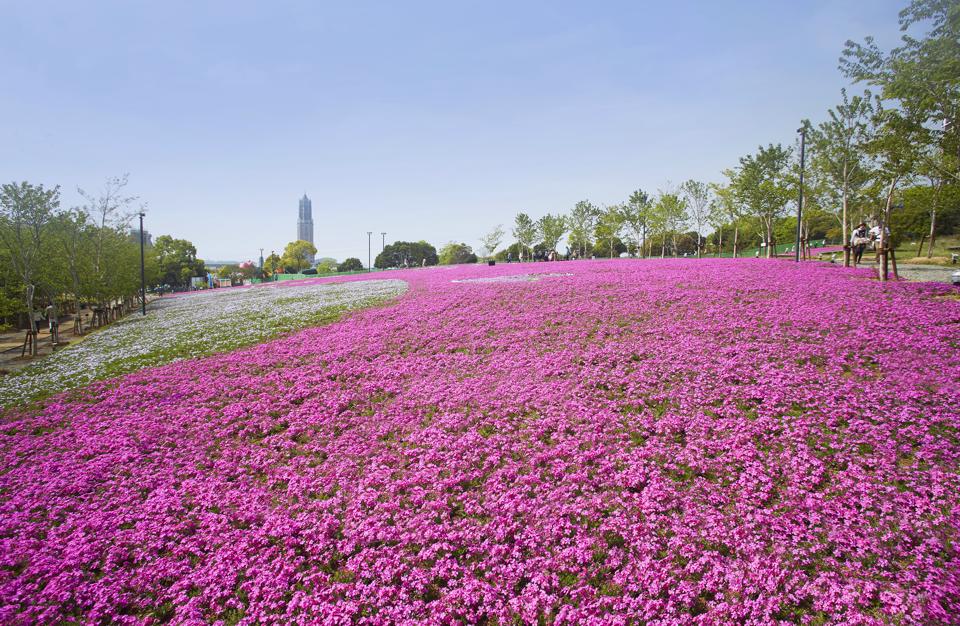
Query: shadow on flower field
pixel 617 442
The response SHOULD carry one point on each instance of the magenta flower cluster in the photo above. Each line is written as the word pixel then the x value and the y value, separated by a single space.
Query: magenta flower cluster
pixel 617 442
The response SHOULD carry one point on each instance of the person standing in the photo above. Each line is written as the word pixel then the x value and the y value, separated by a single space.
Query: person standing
pixel 53 323
pixel 858 242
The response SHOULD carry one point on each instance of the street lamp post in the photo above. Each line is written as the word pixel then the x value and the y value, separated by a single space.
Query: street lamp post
pixel 143 274
pixel 369 233
pixel 383 242
pixel 803 138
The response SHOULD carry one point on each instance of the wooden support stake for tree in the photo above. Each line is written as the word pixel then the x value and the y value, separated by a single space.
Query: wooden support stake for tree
pixel 893 258
pixel 920 247
pixel 28 343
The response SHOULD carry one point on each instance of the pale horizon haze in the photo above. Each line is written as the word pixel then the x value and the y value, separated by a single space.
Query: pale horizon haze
pixel 427 120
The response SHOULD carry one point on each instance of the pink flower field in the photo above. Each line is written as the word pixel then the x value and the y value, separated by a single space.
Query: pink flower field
pixel 611 442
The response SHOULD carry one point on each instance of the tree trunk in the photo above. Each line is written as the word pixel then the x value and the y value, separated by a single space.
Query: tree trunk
pixel 736 233
pixel 884 239
pixel 33 321
pixel 933 218
pixel 720 243
pixel 663 247
pixel 76 303
pixel 698 245
pixel 933 235
pixel 846 241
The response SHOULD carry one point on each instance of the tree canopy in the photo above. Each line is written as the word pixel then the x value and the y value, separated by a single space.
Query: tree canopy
pixel 297 255
pixel 456 253
pixel 406 253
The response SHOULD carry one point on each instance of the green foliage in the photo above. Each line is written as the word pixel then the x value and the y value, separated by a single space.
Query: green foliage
pixel 607 230
pixel 762 186
pixel 297 255
pixel 351 264
pixel 667 219
pixel 177 262
pixel 525 232
pixel 921 76
pixel 511 252
pixel 551 229
pixel 913 220
pixel 327 266
pixel 838 156
pixel 636 216
pixel 455 253
pixel 697 196
pixel 492 240
pixel 273 264
pixel 26 214
pixel 583 217
pixel 409 253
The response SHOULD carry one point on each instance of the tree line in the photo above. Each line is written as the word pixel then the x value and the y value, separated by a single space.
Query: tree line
pixel 889 155
pixel 82 255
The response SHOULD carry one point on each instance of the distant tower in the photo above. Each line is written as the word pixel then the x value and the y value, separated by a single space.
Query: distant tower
pixel 305 222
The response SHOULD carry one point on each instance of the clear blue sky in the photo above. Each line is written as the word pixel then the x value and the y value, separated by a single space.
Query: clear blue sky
pixel 427 120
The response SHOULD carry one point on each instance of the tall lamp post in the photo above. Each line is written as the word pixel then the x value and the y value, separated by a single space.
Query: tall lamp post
pixel 369 233
pixel 383 242
pixel 143 274
pixel 803 139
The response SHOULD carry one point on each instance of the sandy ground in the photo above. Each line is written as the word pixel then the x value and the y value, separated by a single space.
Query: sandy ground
pixel 924 273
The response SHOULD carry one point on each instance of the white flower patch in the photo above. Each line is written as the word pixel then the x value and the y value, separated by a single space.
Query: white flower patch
pixel 191 325
pixel 513 278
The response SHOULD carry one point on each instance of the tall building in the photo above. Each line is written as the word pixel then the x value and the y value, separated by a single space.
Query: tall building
pixel 135 237
pixel 305 222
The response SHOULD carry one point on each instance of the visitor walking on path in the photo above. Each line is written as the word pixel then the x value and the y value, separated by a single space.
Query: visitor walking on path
pixel 53 324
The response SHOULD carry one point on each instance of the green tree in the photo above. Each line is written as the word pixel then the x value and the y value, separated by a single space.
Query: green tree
pixel 406 253
pixel 298 254
pixel 762 186
pixel 697 196
pixel 492 240
pixel 668 216
pixel 525 232
pixel 921 76
pixel 456 253
pixel 176 261
pixel 724 210
pixel 326 266
pixel 895 150
pixel 551 229
pixel 273 264
pixel 839 155
pixel 581 221
pixel 607 228
pixel 350 264
pixel 73 238
pixel 26 212
pixel 636 216
pixel 110 211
